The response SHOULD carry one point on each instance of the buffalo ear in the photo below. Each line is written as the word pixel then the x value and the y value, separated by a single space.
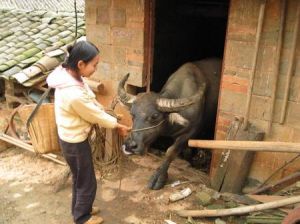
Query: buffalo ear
pixel 176 118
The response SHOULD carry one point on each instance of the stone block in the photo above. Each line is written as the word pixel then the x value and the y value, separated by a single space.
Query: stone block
pixel 232 102
pixel 118 18
pixel 106 53
pixel 239 54
pixel 103 15
pixel 293 115
pixel 91 14
pixel 234 83
pixel 127 38
pixel 119 55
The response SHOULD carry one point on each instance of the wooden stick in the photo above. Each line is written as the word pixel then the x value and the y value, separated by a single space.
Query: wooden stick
pixel 290 67
pixel 279 185
pixel 291 147
pixel 277 62
pixel 239 210
pixel 28 147
pixel 254 61
pixel 97 87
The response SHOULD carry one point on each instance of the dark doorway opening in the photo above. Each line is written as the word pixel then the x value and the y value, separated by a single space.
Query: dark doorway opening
pixel 185 31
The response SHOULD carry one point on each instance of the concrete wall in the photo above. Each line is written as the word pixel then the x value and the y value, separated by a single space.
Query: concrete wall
pixel 237 65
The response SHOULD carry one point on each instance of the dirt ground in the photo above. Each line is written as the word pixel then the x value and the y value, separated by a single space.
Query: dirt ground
pixel 28 189
pixel 27 185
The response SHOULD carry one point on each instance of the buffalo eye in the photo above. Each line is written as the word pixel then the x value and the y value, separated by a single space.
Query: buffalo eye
pixel 154 116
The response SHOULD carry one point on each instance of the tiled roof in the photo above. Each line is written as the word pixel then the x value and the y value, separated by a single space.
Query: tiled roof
pixel 25 35
pixel 47 5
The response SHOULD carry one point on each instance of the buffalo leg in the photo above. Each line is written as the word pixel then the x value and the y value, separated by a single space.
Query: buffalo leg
pixel 160 176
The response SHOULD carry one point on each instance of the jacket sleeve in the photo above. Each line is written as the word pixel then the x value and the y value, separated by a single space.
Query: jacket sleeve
pixel 92 113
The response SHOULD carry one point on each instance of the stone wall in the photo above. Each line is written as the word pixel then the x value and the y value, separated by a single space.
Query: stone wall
pixel 237 65
pixel 117 28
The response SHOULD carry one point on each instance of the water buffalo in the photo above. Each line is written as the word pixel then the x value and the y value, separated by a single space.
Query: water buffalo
pixel 186 105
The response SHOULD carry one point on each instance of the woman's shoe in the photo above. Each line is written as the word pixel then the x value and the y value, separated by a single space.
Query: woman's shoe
pixel 94 220
pixel 95 210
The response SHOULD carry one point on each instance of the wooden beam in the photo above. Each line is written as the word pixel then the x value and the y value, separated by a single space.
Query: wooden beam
pixel 291 147
pixel 239 210
pixel 28 147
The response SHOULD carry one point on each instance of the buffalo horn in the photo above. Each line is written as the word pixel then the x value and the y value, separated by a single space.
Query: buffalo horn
pixel 174 105
pixel 125 98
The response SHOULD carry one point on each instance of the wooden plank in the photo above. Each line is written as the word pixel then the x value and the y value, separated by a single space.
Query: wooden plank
pixel 239 162
pixel 289 147
pixel 220 173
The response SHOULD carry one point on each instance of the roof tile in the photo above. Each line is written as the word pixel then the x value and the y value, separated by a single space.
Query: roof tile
pixel 25 35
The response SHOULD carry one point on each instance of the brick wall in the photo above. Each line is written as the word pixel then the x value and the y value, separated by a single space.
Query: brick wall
pixel 239 51
pixel 117 28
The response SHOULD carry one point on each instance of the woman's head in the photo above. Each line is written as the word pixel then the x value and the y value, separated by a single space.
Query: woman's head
pixel 83 58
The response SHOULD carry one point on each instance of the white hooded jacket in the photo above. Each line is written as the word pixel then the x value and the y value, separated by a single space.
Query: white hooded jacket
pixel 76 107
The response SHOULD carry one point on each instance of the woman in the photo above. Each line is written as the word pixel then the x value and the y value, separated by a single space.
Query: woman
pixel 76 109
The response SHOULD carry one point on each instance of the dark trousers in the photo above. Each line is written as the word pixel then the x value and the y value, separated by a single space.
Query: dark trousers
pixel 79 158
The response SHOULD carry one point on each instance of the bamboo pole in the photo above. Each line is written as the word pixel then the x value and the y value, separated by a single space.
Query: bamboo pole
pixel 277 63
pixel 290 147
pixel 290 67
pixel 28 147
pixel 254 62
pixel 239 210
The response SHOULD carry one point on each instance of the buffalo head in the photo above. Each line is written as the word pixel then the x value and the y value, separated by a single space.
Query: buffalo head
pixel 152 116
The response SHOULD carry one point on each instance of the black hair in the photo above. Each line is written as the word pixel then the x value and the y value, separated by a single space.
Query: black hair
pixel 81 51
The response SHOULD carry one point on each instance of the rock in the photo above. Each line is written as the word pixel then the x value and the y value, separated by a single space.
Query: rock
pixel 215 206
pixel 203 198
pixel 231 204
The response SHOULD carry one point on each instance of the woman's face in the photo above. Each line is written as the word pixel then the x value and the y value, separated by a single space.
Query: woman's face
pixel 87 69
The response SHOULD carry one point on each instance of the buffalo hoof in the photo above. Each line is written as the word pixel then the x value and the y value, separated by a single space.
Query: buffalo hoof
pixel 158 180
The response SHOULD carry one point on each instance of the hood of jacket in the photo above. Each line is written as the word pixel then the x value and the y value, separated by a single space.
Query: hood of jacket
pixel 60 79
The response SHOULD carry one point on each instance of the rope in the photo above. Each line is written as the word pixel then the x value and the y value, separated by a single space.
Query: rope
pixel 144 129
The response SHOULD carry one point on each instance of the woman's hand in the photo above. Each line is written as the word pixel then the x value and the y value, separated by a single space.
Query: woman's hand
pixel 123 130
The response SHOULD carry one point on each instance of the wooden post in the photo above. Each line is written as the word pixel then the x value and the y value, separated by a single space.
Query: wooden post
pixel 254 61
pixel 290 66
pixel 277 62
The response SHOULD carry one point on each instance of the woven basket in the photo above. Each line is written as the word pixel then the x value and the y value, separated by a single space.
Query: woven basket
pixel 42 129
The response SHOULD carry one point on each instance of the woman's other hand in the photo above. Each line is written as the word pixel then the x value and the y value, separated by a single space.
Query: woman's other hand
pixel 123 130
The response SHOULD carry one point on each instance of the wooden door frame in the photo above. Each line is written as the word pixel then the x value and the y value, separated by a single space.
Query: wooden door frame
pixel 149 28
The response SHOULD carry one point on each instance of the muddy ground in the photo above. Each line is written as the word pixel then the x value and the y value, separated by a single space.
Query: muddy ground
pixel 28 184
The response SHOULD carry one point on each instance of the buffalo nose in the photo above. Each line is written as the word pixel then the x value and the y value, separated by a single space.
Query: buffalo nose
pixel 130 144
